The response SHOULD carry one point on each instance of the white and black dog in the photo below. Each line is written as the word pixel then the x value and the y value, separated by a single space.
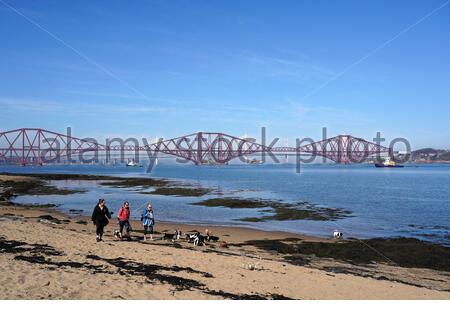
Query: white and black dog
pixel 196 238
pixel 190 237
pixel 337 234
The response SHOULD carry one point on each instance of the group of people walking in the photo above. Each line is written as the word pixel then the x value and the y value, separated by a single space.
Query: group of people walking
pixel 101 216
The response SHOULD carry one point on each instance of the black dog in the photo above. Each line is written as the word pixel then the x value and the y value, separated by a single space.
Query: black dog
pixel 172 236
pixel 212 238
pixel 209 237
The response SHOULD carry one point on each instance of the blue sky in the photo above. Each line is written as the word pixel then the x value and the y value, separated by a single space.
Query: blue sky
pixel 168 68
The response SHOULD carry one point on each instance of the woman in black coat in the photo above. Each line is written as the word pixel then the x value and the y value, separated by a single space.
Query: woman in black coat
pixel 100 217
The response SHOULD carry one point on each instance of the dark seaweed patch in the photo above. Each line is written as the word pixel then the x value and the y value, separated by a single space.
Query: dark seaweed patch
pixel 234 203
pixel 355 272
pixel 135 182
pixel 282 211
pixel 181 192
pixel 11 217
pixel 13 246
pixel 75 211
pixel 404 252
pixel 38 186
pixel 52 219
pixel 152 272
pixel 39 259
pixel 163 187
pixel 39 205
pixel 234 296
pixel 36 254
pixel 298 259
pixel 34 187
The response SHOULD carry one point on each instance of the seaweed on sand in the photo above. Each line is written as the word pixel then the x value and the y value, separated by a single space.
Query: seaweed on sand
pixel 294 213
pixel 404 252
pixel 51 219
pixel 40 259
pixel 14 246
pixel 106 180
pixel 41 254
pixel 282 211
pixel 12 188
pixel 234 203
pixel 162 186
pixel 181 192
pixel 75 211
pixel 135 182
pixel 244 296
pixel 157 273
pixel 152 272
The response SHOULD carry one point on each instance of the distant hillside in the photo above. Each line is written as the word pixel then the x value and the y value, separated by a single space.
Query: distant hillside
pixel 430 154
pixel 445 156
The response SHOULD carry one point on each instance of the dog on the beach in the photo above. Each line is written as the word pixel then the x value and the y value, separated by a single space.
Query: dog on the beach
pixel 172 236
pixel 196 238
pixel 210 237
pixel 337 235
pixel 189 236
pixel 117 234
pixel 199 240
pixel 223 244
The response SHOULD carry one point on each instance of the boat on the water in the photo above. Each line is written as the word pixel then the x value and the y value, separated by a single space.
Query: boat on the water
pixel 252 161
pixel 388 163
pixel 211 162
pixel 132 163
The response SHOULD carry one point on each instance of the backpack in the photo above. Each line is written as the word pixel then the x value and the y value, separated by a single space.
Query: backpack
pixel 147 218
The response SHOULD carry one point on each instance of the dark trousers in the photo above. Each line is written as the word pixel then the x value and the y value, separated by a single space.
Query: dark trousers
pixel 99 229
pixel 125 224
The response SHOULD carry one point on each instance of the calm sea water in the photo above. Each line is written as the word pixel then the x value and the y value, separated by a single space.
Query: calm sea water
pixel 411 201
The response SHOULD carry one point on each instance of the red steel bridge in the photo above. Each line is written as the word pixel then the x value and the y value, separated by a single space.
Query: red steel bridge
pixel 37 146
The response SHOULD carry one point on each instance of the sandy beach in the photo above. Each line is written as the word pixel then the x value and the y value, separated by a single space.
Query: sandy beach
pixel 45 254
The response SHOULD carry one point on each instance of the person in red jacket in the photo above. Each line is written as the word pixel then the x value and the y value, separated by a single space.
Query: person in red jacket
pixel 124 220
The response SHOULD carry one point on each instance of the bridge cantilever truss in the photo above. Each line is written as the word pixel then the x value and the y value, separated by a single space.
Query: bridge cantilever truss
pixel 38 146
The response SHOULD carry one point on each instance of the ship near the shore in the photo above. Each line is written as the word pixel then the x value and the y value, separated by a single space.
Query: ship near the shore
pixel 388 163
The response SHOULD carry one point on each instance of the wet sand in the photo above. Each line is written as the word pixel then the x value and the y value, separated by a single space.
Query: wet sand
pixel 45 254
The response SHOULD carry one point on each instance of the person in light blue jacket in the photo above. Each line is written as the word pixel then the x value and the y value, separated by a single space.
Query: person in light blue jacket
pixel 148 221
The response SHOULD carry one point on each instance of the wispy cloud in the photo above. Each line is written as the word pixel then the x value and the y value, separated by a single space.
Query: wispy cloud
pixel 165 106
pixel 193 104
pixel 126 96
pixel 102 94
pixel 19 104
pixel 42 106
pixel 301 68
